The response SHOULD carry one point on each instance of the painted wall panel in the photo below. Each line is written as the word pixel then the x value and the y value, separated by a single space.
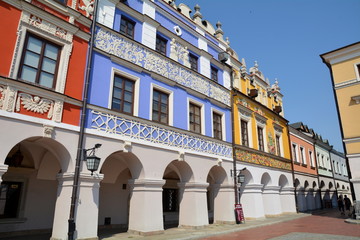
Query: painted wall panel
pixel 106 13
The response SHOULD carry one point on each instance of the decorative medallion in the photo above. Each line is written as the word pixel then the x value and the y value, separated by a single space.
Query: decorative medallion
pixel 35 104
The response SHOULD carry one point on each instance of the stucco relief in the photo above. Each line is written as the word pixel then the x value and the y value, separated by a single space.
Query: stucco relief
pixel 35 104
pixel 259 159
pixel 150 133
pixel 115 44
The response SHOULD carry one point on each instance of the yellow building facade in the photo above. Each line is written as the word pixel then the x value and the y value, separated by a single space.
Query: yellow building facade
pixel 261 144
pixel 344 65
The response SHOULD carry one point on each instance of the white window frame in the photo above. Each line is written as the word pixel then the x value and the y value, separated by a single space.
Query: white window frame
pixel 153 87
pixel 261 122
pixel 64 44
pixel 311 158
pixel 295 150
pixel 246 115
pixel 223 126
pixel 115 71
pixel 202 110
pixel 302 155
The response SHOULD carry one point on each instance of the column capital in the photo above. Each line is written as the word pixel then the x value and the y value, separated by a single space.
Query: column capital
pixel 146 184
pixel 253 188
pixel 193 186
pixel 271 189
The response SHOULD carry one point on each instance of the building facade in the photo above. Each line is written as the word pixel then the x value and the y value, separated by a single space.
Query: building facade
pixel 344 66
pixel 341 178
pixel 308 196
pixel 42 75
pixel 261 142
pixel 159 104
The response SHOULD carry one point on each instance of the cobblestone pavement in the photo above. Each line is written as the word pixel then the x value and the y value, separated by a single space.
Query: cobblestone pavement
pixel 320 225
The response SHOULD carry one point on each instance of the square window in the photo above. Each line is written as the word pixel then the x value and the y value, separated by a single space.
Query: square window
pixel 161 45
pixel 123 95
pixel 127 27
pixel 39 62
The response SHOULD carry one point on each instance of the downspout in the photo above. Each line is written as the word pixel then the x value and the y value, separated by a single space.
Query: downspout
pixel 341 129
pixel 79 154
pixel 292 168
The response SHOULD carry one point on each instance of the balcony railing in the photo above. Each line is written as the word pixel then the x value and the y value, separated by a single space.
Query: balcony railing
pixel 142 130
pixel 116 44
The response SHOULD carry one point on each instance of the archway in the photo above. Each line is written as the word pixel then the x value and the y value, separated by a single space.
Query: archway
pixel 115 190
pixel 176 173
pixel 29 186
pixel 215 178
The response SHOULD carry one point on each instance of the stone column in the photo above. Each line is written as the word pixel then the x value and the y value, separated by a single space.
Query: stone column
pixel 317 193
pixel 87 211
pixel 62 206
pixel 287 197
pixel 310 199
pixel 301 201
pixel 224 204
pixel 146 214
pixel 193 205
pixel 272 203
pixel 252 201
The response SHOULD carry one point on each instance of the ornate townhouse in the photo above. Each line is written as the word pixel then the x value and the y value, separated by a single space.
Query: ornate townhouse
pixel 261 142
pixel 340 172
pixel 344 66
pixel 308 195
pixel 160 105
pixel 43 53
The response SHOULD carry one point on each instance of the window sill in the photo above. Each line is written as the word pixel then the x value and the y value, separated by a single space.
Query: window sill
pixel 297 163
pixel 304 165
pixel 12 220
pixel 312 167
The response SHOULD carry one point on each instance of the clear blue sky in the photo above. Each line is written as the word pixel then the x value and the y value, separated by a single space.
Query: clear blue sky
pixel 286 37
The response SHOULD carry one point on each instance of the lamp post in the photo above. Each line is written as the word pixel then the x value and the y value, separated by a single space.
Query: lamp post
pixel 92 164
pixel 239 179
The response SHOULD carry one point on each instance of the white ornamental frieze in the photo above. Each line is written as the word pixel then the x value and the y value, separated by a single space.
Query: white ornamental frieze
pixel 35 104
pixel 46 26
pixel 119 46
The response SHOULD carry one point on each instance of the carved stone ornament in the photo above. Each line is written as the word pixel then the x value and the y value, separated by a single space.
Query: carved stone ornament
pixel 48 131
pixel 35 104
pixel 88 7
pixel 47 27
pixel 179 53
pixel 2 96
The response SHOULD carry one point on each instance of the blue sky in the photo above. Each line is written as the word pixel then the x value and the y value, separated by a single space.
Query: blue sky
pixel 286 37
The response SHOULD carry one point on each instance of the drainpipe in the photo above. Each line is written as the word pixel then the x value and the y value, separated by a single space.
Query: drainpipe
pixel 292 167
pixel 79 155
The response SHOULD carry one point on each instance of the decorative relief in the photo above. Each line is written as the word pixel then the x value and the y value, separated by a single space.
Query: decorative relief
pixel 2 96
pixel 35 104
pixel 46 26
pixel 117 45
pixel 242 102
pixel 10 97
pixel 48 131
pixel 271 144
pixel 150 133
pixel 179 53
pixel 88 7
pixel 246 156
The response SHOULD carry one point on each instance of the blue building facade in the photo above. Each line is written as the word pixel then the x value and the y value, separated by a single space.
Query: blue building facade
pixel 159 103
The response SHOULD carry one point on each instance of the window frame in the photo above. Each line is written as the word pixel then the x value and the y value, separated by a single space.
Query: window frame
pixel 161 93
pixel 121 110
pixel 260 137
pixel 125 32
pixel 158 47
pixel 218 129
pixel 214 74
pixel 294 149
pixel 44 43
pixel 278 145
pixel 244 132
pixel 311 158
pixel 193 105
pixel 194 62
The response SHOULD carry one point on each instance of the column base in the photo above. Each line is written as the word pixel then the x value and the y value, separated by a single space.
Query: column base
pixel 146 233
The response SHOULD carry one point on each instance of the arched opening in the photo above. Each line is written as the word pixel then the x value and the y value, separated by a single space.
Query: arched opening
pixel 283 181
pixel 115 191
pixel 29 186
pixel 215 178
pixel 175 173
pixel 266 179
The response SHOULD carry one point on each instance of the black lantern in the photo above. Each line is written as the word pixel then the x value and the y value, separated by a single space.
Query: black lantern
pixel 240 178
pixel 92 161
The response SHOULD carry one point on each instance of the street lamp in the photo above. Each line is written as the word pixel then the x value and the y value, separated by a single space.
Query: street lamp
pixel 239 180
pixel 92 161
